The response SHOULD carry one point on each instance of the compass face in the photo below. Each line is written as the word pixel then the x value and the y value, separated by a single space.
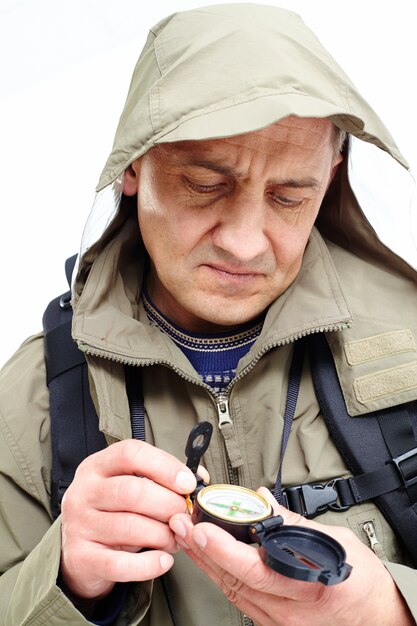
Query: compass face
pixel 234 504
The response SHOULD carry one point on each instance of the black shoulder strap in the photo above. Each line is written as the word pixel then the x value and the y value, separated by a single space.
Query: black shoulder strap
pixel 74 422
pixel 379 448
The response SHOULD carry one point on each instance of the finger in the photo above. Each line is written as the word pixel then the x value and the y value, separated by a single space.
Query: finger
pixel 119 566
pixel 266 493
pixel 238 559
pixel 136 495
pixel 260 607
pixel 203 473
pixel 290 518
pixel 220 550
pixel 141 459
pixel 128 530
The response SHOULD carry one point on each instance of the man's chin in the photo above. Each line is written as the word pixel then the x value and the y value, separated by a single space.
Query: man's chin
pixel 204 312
pixel 222 318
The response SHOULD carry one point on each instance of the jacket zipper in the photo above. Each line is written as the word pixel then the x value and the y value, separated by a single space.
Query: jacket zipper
pixel 374 544
pixel 225 424
pixel 369 529
pixel 223 413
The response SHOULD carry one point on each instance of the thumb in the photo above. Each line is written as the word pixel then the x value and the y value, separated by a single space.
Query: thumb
pixel 290 518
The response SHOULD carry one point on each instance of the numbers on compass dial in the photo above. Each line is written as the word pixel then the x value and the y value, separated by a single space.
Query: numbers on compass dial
pixel 234 503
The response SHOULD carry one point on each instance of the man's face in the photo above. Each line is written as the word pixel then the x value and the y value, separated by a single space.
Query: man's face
pixel 226 221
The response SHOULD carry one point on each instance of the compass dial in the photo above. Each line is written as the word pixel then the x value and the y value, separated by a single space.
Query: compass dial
pixel 233 503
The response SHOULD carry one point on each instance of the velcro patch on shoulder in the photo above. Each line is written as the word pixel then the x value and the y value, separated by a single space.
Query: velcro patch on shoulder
pixel 386 383
pixel 379 346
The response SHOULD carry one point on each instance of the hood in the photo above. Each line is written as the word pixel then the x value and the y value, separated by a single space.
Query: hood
pixel 224 70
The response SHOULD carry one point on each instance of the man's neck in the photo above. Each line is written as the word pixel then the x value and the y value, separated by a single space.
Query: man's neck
pixel 214 356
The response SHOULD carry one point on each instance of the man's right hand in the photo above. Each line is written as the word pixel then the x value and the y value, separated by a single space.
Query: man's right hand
pixel 119 502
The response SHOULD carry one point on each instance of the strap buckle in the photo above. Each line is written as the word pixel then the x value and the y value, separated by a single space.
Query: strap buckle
pixel 65 300
pixel 337 506
pixel 313 499
pixel 407 470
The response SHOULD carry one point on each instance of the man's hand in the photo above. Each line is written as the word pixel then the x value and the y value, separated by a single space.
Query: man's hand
pixel 120 502
pixel 368 597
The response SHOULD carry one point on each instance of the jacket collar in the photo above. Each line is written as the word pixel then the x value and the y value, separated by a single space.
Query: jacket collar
pixel 108 320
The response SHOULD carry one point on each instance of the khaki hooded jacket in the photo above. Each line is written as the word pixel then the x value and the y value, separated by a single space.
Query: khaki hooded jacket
pixel 250 66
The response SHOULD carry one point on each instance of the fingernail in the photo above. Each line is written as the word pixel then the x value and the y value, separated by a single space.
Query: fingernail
pixel 185 481
pixel 200 538
pixel 178 527
pixel 166 561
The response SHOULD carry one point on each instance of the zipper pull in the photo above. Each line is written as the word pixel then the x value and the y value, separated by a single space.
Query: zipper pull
pixel 223 412
pixel 369 529
pixel 227 429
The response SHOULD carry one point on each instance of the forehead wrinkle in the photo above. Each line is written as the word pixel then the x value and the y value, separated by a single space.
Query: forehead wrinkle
pixel 296 183
pixel 268 145
pixel 213 155
pixel 305 133
pixel 226 170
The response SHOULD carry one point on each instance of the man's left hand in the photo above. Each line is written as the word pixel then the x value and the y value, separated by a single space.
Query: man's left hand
pixel 369 596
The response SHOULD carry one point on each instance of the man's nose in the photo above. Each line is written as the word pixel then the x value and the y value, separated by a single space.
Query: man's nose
pixel 241 230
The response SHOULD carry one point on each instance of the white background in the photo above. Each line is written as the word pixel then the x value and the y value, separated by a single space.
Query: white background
pixel 65 71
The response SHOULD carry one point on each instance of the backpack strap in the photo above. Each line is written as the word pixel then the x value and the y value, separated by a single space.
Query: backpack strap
pixel 379 448
pixel 74 422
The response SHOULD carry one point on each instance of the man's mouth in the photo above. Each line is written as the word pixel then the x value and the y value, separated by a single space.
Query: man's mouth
pixel 237 273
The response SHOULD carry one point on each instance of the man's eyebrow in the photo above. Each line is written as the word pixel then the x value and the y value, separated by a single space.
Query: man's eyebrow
pixel 298 183
pixel 295 183
pixel 215 167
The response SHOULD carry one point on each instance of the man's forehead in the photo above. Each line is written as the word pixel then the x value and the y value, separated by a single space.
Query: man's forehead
pixel 304 132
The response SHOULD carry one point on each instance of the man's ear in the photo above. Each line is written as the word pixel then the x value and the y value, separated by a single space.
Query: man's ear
pixel 336 164
pixel 334 169
pixel 131 179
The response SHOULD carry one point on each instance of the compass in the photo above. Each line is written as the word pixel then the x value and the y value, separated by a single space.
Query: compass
pixel 295 551
pixel 231 507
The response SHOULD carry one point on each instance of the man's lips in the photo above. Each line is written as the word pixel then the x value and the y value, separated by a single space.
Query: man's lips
pixel 233 272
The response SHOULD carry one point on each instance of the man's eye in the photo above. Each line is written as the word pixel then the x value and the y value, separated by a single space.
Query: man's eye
pixel 285 201
pixel 205 188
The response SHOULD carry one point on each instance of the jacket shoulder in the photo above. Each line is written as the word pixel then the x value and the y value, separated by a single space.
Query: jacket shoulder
pixel 24 413
pixel 376 358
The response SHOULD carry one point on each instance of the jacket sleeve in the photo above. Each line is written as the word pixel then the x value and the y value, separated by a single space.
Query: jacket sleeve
pixel 30 541
pixel 406 580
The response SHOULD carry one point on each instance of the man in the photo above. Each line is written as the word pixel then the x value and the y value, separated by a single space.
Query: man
pixel 229 147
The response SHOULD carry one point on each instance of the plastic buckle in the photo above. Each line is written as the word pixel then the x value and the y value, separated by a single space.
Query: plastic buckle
pixel 335 506
pixel 65 301
pixel 312 499
pixel 406 479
